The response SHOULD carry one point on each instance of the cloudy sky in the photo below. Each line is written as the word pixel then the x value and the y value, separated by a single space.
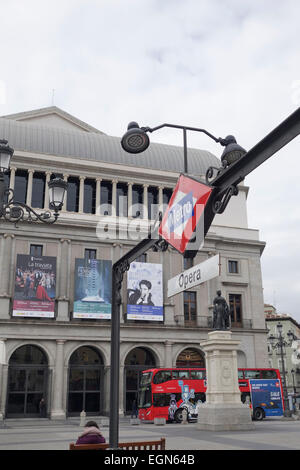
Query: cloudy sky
pixel 229 66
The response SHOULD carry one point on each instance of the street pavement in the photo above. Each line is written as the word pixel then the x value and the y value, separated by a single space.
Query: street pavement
pixel 44 434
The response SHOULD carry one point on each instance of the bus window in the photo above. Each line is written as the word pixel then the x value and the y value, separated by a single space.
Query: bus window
pixel 180 374
pixel 162 376
pixel 146 378
pixel 252 374
pixel 197 374
pixel 268 374
pixel 241 374
pixel 145 398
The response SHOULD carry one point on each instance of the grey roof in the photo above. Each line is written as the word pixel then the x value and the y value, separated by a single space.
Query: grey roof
pixel 99 147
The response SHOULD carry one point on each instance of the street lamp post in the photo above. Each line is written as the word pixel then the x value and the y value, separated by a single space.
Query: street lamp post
pixel 293 377
pixel 15 211
pixel 279 343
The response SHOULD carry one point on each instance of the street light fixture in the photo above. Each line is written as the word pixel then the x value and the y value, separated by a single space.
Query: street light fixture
pixel 136 140
pixel 279 342
pixel 14 211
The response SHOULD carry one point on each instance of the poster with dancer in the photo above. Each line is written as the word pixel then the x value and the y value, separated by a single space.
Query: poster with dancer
pixel 92 295
pixel 145 292
pixel 35 286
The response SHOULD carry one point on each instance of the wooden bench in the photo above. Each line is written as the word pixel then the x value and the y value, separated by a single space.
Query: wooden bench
pixel 141 445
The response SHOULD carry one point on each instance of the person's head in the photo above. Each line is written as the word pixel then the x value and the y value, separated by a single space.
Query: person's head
pixel 91 424
pixel 219 292
pixel 145 287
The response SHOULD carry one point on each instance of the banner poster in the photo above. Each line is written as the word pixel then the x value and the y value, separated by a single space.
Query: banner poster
pixel 35 285
pixel 92 295
pixel 266 394
pixel 145 292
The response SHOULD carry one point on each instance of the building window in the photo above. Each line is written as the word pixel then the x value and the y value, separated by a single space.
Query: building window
pixel 106 198
pixel 152 202
pixel 190 308
pixel 142 258
pixel 73 194
pixel 90 254
pixel 36 250
pixel 137 200
pixel 21 182
pixel 38 190
pixel 235 306
pixel 233 267
pixel 167 193
pixel 89 201
pixel 122 201
pixel 188 263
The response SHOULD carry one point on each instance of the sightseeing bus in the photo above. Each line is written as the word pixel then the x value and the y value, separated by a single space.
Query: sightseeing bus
pixel 166 392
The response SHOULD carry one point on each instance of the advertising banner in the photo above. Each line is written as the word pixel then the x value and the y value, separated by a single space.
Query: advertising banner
pixel 35 285
pixel 92 294
pixel 266 394
pixel 145 292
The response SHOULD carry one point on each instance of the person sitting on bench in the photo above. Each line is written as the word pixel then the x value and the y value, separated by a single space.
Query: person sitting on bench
pixel 91 434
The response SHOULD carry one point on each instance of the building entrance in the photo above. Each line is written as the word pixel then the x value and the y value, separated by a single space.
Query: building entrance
pixel 136 361
pixel 85 391
pixel 27 382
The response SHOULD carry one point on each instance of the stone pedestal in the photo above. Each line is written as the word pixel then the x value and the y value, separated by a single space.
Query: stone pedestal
pixel 223 409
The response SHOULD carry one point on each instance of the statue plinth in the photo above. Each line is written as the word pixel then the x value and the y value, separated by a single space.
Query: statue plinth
pixel 223 409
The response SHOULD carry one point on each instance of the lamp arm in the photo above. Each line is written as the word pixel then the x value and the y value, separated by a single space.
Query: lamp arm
pixel 14 211
pixel 188 128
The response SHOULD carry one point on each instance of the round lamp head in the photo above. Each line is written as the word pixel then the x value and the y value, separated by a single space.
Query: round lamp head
pixel 232 151
pixel 57 189
pixel 135 140
pixel 6 153
pixel 279 328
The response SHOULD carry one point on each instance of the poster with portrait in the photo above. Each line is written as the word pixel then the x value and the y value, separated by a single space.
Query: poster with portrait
pixel 35 286
pixel 92 294
pixel 145 292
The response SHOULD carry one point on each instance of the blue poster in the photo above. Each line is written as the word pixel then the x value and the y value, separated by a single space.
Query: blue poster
pixel 92 296
pixel 266 394
pixel 145 292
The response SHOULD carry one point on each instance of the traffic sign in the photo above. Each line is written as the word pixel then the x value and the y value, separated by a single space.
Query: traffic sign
pixel 202 272
pixel 183 213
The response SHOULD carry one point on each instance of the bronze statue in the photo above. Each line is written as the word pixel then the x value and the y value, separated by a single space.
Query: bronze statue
pixel 221 315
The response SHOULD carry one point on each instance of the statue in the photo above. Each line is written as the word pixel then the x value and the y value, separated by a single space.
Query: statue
pixel 221 315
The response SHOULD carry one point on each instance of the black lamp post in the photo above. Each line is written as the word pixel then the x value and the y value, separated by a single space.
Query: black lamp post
pixel 279 342
pixel 136 140
pixel 14 211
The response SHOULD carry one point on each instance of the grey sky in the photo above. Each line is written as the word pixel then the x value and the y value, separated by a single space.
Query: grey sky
pixel 231 67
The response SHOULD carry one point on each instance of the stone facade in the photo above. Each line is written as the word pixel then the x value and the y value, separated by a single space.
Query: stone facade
pixel 59 338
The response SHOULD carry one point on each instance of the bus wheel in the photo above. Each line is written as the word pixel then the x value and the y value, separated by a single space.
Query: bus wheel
pixel 258 414
pixel 178 416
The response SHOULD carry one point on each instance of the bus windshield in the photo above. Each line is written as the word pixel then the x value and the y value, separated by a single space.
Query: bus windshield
pixel 146 378
pixel 145 397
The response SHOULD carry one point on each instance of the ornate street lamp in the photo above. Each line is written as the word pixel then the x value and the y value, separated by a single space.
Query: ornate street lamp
pixel 14 211
pixel 136 140
pixel 279 343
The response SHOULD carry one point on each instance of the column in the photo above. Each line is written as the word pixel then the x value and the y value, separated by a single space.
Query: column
pixel 63 280
pixel 129 199
pixel 114 197
pixel 160 196
pixel 168 353
pixel 3 376
pixel 46 200
pixel 29 187
pixel 12 177
pixel 145 201
pixel 57 411
pixel 66 194
pixel 81 193
pixel 6 263
pixel 98 195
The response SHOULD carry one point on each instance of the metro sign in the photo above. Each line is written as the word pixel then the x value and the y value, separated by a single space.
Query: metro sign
pixel 183 213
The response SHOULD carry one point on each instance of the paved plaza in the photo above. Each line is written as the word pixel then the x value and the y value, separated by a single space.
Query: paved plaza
pixel 43 434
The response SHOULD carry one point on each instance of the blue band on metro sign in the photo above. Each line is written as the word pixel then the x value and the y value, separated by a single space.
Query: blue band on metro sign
pixel 183 213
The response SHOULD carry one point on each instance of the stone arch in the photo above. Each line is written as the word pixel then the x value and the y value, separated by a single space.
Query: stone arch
pixel 28 380
pixel 137 359
pixel 190 356
pixel 85 381
pixel 241 360
pixel 96 347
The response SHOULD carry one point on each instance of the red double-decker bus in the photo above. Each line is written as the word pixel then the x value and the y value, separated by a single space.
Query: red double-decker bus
pixel 165 393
